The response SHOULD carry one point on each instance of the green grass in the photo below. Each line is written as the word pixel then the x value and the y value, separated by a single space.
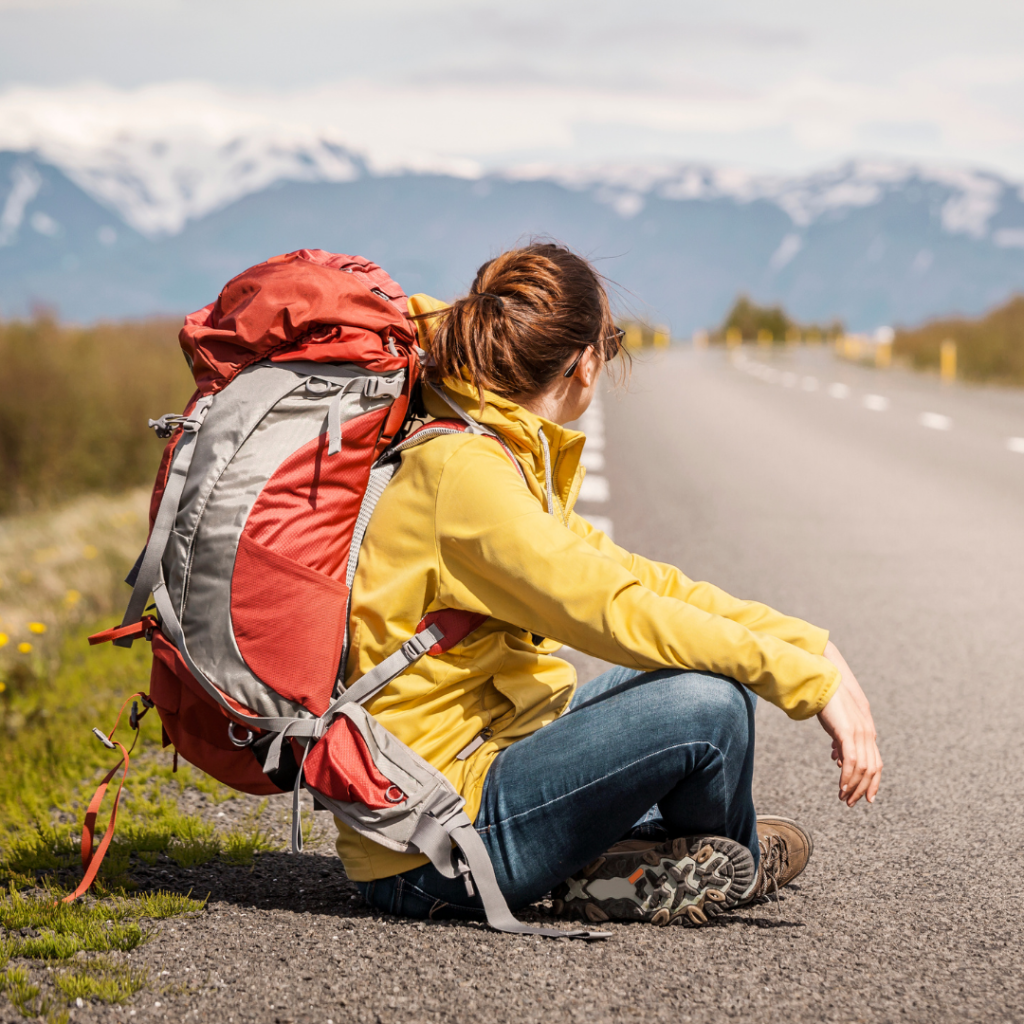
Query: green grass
pixel 44 931
pixel 50 763
pixel 105 983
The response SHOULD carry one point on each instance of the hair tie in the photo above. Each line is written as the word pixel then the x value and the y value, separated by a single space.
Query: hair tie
pixel 491 295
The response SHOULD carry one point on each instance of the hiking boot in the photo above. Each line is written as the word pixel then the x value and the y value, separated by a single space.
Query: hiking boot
pixel 786 847
pixel 682 881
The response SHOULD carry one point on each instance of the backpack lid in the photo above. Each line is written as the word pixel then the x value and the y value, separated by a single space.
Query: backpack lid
pixel 309 304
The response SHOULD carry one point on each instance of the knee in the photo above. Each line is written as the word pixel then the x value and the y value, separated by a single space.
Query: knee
pixel 723 707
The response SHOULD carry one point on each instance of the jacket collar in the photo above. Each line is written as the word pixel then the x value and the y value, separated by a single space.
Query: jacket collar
pixel 520 429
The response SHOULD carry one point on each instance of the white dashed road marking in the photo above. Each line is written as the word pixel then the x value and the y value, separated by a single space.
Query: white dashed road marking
pixel 602 523
pixel 876 403
pixel 595 489
pixel 935 421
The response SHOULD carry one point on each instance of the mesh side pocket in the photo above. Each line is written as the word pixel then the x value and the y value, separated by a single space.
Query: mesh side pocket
pixel 289 623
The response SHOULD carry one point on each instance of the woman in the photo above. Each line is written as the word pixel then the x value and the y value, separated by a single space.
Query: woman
pixel 556 776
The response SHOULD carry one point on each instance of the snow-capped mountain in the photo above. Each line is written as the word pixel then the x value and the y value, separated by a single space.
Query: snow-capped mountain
pixel 140 223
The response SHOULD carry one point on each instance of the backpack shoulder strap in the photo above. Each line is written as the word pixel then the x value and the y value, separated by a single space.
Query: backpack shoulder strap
pixel 435 428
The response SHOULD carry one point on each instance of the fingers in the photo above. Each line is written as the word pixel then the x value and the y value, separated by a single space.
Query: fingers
pixel 854 749
pixel 876 780
pixel 851 782
pixel 867 776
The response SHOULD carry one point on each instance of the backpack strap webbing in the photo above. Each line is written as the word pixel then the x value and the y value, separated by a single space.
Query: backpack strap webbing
pixel 147 577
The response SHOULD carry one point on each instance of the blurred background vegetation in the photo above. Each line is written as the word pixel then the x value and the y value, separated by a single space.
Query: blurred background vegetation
pixel 74 403
pixel 747 321
pixel 989 348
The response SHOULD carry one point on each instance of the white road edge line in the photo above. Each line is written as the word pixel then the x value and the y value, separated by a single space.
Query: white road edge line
pixel 876 403
pixel 1015 444
pixel 595 489
pixel 838 391
pixel 935 421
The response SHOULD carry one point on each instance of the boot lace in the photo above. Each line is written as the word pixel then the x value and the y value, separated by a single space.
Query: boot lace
pixel 774 862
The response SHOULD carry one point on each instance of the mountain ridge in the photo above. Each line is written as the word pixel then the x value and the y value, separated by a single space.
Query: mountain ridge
pixel 869 241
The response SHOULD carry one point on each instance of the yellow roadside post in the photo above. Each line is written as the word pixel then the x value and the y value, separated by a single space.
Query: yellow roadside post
pixel 764 338
pixel 634 337
pixel 733 337
pixel 947 361
pixel 662 337
pixel 884 337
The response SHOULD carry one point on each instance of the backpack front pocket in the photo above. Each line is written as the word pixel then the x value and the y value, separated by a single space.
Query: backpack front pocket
pixel 289 623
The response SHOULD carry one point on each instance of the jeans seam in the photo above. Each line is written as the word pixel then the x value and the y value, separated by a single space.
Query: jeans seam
pixel 413 889
pixel 594 782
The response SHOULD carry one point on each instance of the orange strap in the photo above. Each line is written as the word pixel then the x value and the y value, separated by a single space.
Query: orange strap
pixel 134 631
pixel 91 860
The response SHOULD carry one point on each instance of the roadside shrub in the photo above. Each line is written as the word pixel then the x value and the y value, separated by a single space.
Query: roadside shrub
pixel 989 348
pixel 74 403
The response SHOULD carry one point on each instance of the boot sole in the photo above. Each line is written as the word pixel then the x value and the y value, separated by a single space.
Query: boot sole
pixel 686 881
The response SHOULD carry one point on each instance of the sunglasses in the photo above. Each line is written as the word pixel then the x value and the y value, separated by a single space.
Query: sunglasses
pixel 616 337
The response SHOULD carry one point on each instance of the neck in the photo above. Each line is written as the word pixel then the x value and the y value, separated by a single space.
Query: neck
pixel 556 404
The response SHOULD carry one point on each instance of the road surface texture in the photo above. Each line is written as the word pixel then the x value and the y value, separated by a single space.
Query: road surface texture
pixel 889 509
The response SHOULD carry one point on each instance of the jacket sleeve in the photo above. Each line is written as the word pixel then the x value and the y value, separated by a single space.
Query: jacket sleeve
pixel 668 581
pixel 502 555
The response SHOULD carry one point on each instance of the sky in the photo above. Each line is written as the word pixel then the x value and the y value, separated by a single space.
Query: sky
pixel 788 87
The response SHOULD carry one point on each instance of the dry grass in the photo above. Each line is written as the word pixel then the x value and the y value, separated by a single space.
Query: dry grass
pixel 989 348
pixel 74 404
pixel 60 569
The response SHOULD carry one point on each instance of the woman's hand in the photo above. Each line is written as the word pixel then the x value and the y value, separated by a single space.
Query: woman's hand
pixel 847 719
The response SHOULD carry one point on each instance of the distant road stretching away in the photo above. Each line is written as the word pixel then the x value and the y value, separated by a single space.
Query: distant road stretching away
pixel 888 508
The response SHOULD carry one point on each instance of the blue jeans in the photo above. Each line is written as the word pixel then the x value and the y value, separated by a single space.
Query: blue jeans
pixel 552 802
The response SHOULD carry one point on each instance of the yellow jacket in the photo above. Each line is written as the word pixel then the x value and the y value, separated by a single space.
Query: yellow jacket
pixel 458 528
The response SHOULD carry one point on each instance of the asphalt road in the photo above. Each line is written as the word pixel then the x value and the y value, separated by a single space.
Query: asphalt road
pixel 903 536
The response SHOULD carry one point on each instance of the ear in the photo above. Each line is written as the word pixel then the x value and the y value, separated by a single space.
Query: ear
pixel 588 367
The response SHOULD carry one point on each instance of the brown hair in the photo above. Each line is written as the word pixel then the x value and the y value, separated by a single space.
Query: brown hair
pixel 528 314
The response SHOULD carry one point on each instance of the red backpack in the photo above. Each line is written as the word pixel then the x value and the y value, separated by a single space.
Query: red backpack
pixel 305 366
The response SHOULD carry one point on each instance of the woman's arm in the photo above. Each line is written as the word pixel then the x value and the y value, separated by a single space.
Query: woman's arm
pixel 847 719
pixel 502 555
pixel 668 581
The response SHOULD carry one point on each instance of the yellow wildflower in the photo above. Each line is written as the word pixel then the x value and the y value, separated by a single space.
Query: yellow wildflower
pixel 90 551
pixel 72 597
pixel 24 647
pixel 4 638
pixel 37 627
pixel 3 686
